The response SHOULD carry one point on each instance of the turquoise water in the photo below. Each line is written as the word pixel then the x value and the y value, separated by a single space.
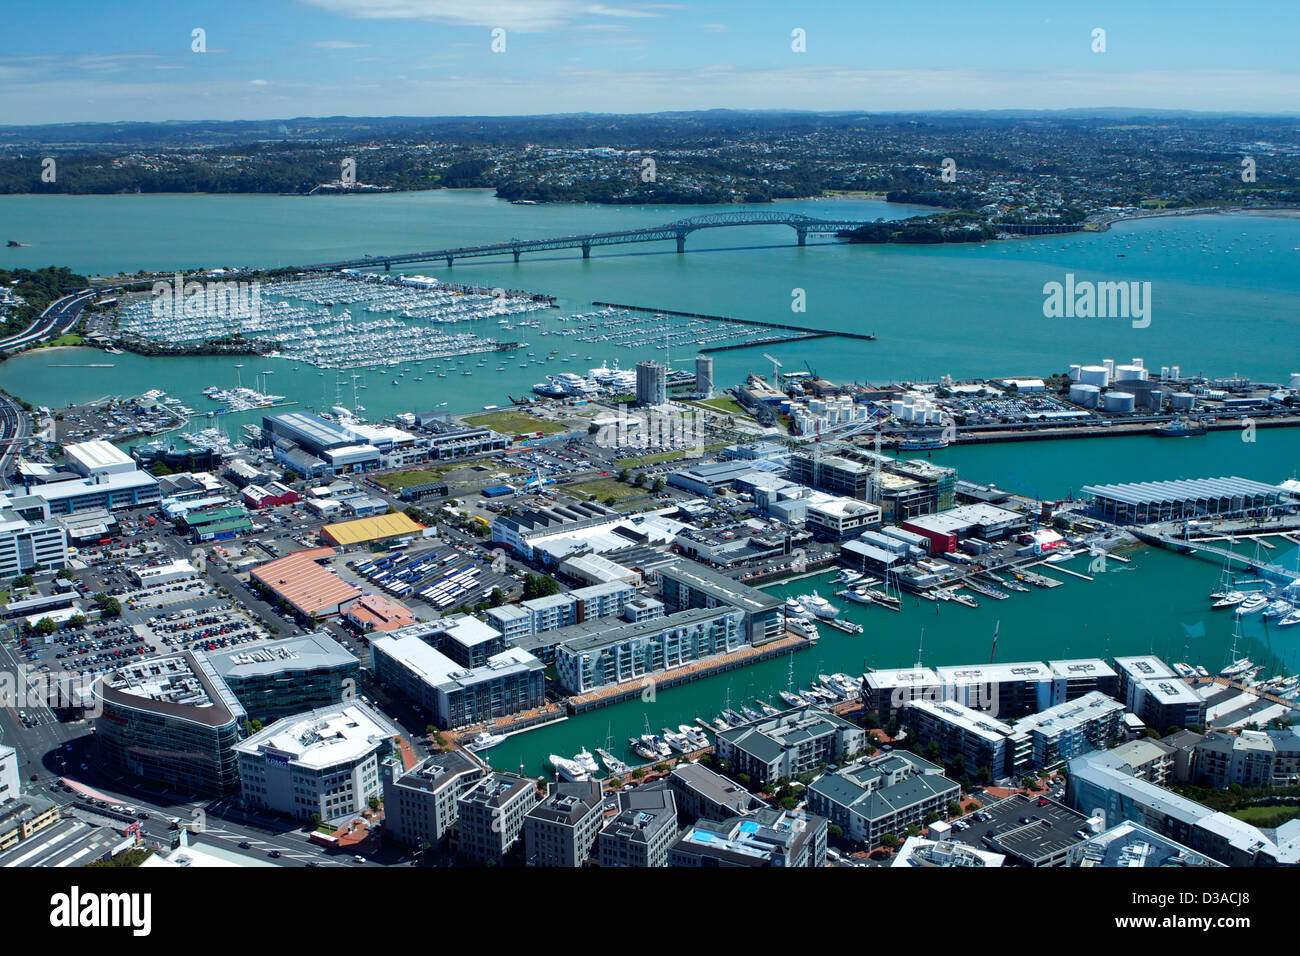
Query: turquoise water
pixel 1223 293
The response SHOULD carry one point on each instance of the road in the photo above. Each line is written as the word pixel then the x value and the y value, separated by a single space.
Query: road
pixel 53 322
pixel 15 426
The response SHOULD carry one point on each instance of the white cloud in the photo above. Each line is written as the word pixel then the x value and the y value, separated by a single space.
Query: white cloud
pixel 526 16
pixel 339 45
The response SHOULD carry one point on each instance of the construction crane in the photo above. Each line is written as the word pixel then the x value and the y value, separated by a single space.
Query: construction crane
pixel 776 370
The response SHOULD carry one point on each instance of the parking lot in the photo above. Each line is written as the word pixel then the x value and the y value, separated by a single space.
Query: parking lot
pixel 1030 830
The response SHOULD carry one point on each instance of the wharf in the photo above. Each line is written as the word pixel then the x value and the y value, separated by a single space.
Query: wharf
pixel 805 332
pixel 1039 580
pixel 687 673
pixel 1077 574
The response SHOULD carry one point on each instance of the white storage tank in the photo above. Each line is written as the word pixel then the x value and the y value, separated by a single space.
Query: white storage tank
pixel 1136 361
pixel 1130 373
pixel 1085 396
pixel 1109 365
pixel 1074 372
pixel 1175 372
pixel 1118 402
pixel 1164 373
pixel 1295 382
pixel 1095 375
pixel 1182 401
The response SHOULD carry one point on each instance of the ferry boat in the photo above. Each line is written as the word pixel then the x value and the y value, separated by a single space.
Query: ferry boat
pixel 485 741
pixel 1180 428
pixel 569 770
pixel 921 444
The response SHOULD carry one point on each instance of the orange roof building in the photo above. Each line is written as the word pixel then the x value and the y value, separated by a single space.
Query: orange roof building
pixel 375 612
pixel 309 588
pixel 345 534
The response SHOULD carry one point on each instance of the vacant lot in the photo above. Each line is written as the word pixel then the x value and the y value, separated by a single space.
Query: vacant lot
pixel 608 488
pixel 725 403
pixel 404 479
pixel 514 423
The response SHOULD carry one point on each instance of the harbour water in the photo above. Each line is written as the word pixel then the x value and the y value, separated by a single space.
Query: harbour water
pixel 1223 292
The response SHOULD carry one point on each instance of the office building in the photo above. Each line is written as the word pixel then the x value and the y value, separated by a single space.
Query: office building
pixel 1128 845
pixel 459 670
pixel 768 837
pixel 322 763
pixel 171 722
pixel 562 829
pixel 421 804
pixel 797 741
pixel 289 676
pixel 643 830
pixel 883 794
pixel 28 545
pixel 491 816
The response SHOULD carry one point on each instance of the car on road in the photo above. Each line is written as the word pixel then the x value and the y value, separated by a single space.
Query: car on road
pixel 244 845
pixel 274 854
pixel 359 858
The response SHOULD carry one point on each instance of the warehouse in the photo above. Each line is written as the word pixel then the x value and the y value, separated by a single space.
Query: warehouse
pixel 943 530
pixel 367 530
pixel 310 589
pixel 1148 501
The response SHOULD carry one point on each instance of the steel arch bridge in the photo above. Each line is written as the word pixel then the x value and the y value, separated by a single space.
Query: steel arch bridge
pixel 669 232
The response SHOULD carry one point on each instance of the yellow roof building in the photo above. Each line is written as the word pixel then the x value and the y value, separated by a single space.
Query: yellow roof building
pixel 364 530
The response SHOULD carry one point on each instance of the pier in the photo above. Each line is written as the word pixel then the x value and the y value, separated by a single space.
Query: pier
pixel 807 333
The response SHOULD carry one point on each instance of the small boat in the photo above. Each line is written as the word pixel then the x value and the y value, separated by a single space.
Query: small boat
pixel 1230 598
pixel 569 770
pixel 802 626
pixel 818 605
pixel 698 738
pixel 750 712
pixel 612 763
pixel 768 709
pixel 791 698
pixel 733 718
pixel 794 609
pixel 677 741
pixel 642 749
pixel 1185 670
pixel 485 741
pixel 1290 620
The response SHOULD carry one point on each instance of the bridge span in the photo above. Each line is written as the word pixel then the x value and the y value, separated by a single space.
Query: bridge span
pixel 672 231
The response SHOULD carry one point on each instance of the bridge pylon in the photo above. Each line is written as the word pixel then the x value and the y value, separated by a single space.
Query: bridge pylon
pixel 586 250
pixel 681 242
pixel 802 233
pixel 516 252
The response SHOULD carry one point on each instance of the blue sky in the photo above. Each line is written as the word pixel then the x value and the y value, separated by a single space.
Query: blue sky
pixel 78 60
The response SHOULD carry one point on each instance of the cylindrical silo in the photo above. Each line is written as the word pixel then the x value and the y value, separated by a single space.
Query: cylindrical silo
pixel 1182 401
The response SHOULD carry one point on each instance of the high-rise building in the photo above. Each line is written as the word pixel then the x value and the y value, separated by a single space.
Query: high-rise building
pixel 651 383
